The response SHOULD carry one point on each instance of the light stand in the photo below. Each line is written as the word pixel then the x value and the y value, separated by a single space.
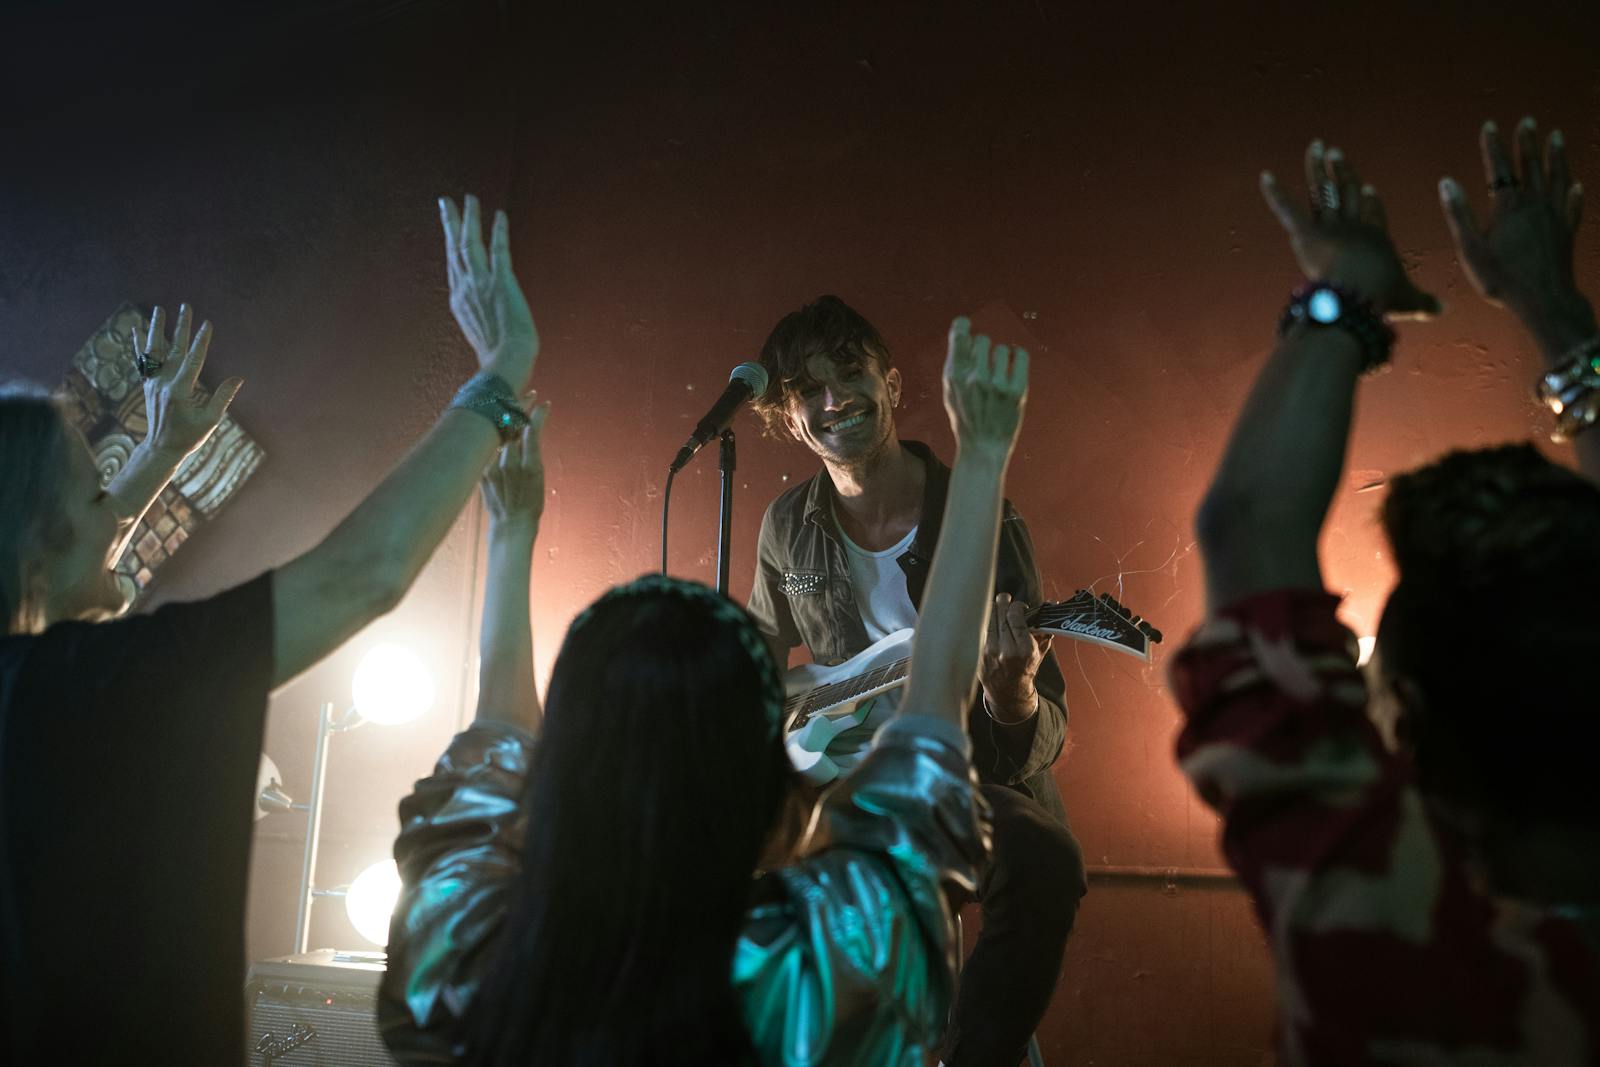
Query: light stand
pixel 391 687
pixel 327 726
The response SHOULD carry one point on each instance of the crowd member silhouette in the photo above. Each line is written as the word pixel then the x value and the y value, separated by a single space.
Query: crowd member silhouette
pixel 121 922
pixel 1440 904
pixel 578 883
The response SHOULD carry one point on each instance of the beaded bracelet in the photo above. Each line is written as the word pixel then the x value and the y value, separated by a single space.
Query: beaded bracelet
pixel 1351 312
pixel 488 395
pixel 1572 389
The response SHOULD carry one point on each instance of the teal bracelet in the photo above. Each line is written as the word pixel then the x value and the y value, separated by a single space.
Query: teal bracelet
pixel 490 396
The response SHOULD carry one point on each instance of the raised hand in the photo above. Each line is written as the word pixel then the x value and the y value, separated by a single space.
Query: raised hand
pixel 1341 234
pixel 1523 258
pixel 484 295
pixel 513 493
pixel 181 416
pixel 513 484
pixel 985 390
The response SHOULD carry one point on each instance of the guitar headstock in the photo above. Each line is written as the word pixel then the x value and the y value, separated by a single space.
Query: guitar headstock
pixel 1100 620
pixel 1144 627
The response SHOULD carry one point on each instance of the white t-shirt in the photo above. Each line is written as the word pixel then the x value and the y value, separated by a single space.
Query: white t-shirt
pixel 884 604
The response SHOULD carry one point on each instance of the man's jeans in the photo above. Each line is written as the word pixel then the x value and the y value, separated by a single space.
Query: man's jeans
pixel 1030 894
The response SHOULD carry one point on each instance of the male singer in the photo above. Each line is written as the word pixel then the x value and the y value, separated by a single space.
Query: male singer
pixel 841 562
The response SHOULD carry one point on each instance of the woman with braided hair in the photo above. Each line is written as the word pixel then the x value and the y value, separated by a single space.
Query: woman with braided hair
pixel 587 897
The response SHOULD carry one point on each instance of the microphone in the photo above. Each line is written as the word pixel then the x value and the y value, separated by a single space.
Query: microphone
pixel 747 380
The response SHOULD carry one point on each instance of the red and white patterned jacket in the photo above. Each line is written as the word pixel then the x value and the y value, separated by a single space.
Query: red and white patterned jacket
pixel 1388 949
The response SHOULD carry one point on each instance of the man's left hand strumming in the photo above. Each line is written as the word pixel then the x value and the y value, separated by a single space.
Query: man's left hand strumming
pixel 1011 658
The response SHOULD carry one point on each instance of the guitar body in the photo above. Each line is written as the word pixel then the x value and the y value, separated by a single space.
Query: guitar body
pixel 822 702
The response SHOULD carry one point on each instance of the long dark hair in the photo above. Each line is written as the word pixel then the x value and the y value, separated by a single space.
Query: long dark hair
pixel 1495 623
pixel 657 777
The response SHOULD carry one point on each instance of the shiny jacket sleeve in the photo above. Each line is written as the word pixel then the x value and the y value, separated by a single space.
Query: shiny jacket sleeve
pixel 849 961
pixel 458 852
pixel 853 963
pixel 1026 748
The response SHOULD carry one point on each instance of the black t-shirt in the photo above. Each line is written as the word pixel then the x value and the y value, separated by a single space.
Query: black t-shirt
pixel 128 757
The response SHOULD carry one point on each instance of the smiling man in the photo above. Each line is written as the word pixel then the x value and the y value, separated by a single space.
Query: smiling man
pixel 842 561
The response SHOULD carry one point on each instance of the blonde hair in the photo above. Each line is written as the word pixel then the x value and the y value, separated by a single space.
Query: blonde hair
pixel 33 440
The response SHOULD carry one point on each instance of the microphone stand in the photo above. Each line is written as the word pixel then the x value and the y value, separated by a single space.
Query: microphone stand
pixel 727 462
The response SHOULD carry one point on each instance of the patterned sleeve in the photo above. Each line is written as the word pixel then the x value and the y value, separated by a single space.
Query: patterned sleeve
pixel 855 962
pixel 1387 950
pixel 458 852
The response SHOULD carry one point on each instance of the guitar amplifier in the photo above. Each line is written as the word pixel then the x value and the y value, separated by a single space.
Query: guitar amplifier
pixel 317 1008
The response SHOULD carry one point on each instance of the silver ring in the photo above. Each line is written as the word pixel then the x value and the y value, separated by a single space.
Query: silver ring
pixel 146 363
pixel 1328 196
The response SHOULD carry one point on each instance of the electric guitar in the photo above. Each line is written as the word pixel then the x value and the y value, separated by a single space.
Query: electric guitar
pixel 822 702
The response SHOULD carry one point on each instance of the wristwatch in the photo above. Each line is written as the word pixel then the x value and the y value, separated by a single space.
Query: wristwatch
pixel 1323 304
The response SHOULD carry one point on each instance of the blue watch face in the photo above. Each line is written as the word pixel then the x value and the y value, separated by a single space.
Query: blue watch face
pixel 1323 306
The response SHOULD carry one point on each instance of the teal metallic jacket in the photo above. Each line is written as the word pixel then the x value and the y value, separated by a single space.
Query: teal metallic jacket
pixel 850 960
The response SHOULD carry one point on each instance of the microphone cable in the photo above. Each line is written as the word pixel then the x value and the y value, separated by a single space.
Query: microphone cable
pixel 666 503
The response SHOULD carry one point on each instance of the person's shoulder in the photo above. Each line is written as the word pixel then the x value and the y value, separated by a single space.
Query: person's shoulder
pixel 67 657
pixel 770 916
pixel 14 650
pixel 790 505
pixel 232 621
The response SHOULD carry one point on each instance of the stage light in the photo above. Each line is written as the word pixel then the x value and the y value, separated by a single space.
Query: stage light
pixel 270 796
pixel 370 901
pixel 392 686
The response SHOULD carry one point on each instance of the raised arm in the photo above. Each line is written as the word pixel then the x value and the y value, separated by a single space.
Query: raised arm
pixel 363 568
pixel 179 417
pixel 1523 259
pixel 984 393
pixel 513 494
pixel 1259 523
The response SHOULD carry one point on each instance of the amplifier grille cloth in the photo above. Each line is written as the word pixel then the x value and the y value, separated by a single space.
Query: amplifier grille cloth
pixel 295 1025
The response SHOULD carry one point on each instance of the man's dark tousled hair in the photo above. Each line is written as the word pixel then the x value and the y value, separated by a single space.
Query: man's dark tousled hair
pixel 826 326
pixel 1496 620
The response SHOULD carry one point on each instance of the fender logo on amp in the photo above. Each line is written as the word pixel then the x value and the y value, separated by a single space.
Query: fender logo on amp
pixel 271 1046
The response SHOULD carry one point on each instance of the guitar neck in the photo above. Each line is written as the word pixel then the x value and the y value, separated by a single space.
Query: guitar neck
pixel 877 679
pixel 1099 620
